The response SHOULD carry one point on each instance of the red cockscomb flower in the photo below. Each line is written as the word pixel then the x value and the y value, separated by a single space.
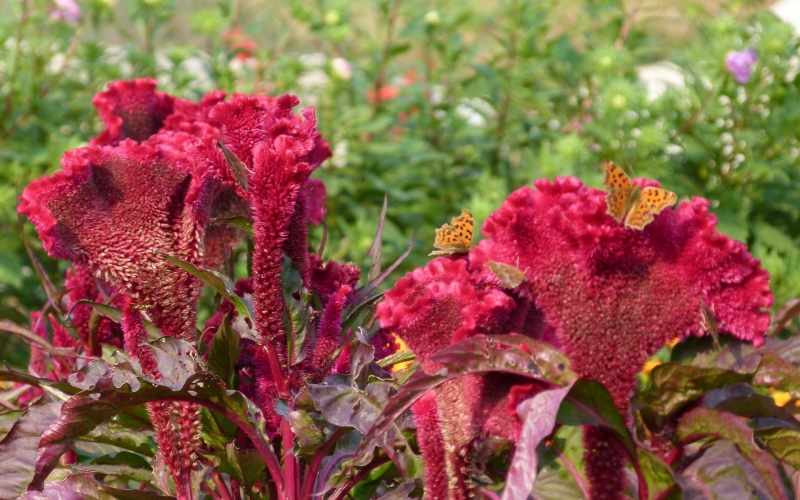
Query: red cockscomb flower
pixel 614 296
pixel 431 308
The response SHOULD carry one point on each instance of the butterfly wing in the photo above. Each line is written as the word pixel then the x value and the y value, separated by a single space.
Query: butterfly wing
pixel 464 225
pixel 618 186
pixel 651 202
pixel 456 238
pixel 509 276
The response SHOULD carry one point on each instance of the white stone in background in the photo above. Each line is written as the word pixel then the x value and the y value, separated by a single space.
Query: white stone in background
pixel 659 76
pixel 788 11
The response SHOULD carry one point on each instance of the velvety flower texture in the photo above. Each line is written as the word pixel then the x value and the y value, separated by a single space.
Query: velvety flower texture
pixel 136 193
pixel 431 308
pixel 608 296
pixel 614 296
pixel 96 214
pixel 81 285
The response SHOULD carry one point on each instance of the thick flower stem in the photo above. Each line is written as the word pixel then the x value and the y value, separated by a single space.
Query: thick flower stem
pixel 275 369
pixel 289 462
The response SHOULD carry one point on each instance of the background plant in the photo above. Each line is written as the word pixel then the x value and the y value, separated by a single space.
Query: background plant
pixel 441 105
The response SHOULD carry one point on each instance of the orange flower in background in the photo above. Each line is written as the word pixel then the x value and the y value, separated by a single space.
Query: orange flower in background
pixel 237 41
pixel 385 93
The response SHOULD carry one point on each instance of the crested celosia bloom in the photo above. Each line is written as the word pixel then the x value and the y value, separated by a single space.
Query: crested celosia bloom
pixel 608 296
pixel 431 308
pixel 81 285
pixel 281 150
pixel 96 214
pixel 614 296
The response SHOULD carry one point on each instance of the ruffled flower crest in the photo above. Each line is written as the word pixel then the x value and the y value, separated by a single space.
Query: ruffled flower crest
pixel 614 296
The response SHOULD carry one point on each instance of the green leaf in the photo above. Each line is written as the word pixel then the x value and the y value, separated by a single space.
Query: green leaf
pixel 115 314
pixel 113 434
pixel 308 436
pixel 218 281
pixel 783 443
pixel 20 447
pixel 298 313
pixel 657 474
pixel 224 352
pixel 563 473
pixel 241 223
pixel 589 403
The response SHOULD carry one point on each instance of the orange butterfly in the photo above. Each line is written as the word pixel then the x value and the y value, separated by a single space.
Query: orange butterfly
pixel 636 206
pixel 456 238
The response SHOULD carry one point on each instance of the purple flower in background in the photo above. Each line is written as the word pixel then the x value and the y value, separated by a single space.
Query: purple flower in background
pixel 739 64
pixel 68 10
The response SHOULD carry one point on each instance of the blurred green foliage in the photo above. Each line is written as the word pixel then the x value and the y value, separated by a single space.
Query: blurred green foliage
pixel 442 104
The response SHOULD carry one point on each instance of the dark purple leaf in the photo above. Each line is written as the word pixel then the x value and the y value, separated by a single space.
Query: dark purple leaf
pixel 716 475
pixel 24 378
pixel 673 386
pixel 504 353
pixel 784 315
pixel 9 326
pixel 756 406
pixel 113 393
pixel 20 447
pixel 774 371
pixel 84 487
pixel 788 349
pixel 474 355
pixel 701 423
pixel 362 295
pixel 538 415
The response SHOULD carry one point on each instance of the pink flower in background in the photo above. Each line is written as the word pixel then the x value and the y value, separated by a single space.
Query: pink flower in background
pixel 67 10
pixel 740 64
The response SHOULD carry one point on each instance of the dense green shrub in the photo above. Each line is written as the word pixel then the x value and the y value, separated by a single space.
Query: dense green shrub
pixel 442 106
